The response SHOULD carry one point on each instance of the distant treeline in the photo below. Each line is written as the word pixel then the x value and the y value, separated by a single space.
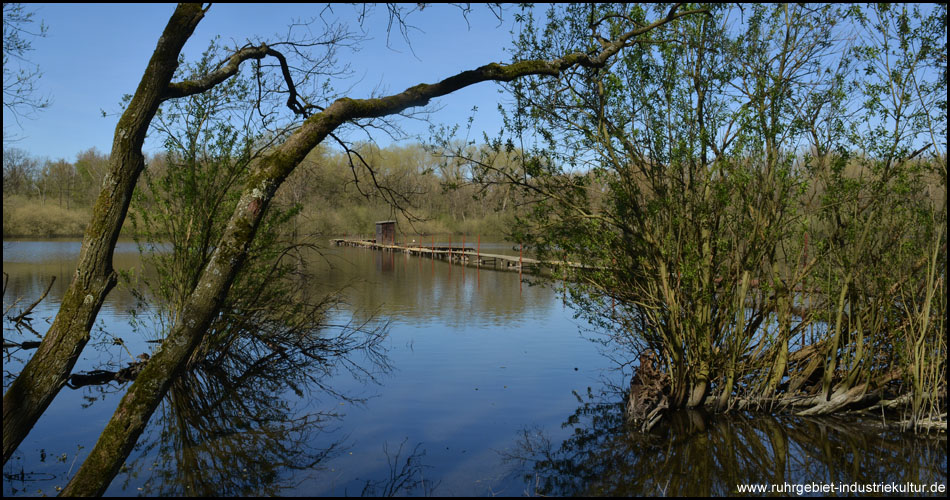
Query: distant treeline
pixel 48 198
pixel 43 198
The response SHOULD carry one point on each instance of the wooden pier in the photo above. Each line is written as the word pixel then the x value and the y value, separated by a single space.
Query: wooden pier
pixel 460 255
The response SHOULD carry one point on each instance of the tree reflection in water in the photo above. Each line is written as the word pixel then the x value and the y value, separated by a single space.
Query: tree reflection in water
pixel 406 478
pixel 233 427
pixel 694 454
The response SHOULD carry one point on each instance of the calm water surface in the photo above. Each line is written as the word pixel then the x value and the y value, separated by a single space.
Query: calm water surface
pixel 485 386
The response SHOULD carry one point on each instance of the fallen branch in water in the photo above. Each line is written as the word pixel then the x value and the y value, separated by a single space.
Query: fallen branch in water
pixel 100 377
pixel 29 344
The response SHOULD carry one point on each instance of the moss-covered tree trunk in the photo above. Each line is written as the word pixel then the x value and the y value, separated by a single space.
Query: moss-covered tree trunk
pixel 832 352
pixel 780 360
pixel 46 372
pixel 736 345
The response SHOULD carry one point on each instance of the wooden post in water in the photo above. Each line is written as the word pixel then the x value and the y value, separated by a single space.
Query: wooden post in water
pixel 520 266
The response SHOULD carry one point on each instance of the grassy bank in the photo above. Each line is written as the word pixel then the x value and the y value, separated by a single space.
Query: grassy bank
pixel 32 218
pixel 23 217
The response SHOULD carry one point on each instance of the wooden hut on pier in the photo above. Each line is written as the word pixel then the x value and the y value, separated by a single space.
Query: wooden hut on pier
pixel 386 232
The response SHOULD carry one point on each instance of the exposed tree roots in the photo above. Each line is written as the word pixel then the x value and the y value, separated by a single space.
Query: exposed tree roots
pixel 884 397
pixel 648 397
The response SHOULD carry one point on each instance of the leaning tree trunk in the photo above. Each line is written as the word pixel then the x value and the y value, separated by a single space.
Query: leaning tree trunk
pixel 47 371
pixel 143 397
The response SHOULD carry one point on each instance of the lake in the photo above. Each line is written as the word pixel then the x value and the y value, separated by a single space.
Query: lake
pixel 484 385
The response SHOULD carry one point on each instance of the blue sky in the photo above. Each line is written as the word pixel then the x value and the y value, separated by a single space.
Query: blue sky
pixel 95 53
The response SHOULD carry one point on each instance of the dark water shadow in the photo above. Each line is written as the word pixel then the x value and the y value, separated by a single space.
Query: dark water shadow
pixel 245 423
pixel 220 435
pixel 695 454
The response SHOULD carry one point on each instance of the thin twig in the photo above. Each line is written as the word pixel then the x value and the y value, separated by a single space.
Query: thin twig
pixel 19 319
